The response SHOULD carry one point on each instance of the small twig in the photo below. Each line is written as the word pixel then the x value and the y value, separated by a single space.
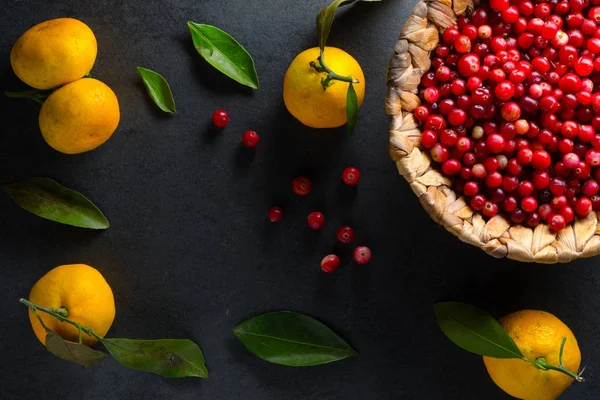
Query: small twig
pixel 331 75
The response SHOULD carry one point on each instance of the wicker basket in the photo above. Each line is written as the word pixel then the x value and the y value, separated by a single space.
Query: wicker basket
pixel 497 237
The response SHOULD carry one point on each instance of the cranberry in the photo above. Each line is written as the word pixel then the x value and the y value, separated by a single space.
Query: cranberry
pixel 533 219
pixel 462 44
pixel 330 263
pixel 493 179
pixel 592 158
pixel 439 153
pixel 468 65
pixel 431 94
pixel 559 202
pixel 451 167
pixel 568 213
pixel 511 111
pixel 583 206
pixel 489 209
pixel 525 188
pixel 362 255
pixel 571 160
pixel 351 176
pixel 557 186
pixel 428 139
pixel 345 234
pixel 250 139
pixel 275 214
pixel 545 212
pixel 301 186
pixel 518 216
pixel 477 202
pixel 220 119
pixel 590 188
pixel 556 223
pixel 316 220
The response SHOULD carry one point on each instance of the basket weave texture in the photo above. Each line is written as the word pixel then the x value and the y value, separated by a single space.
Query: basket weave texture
pixel 497 237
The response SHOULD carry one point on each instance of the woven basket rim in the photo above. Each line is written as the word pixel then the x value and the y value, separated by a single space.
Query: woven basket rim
pixel 496 236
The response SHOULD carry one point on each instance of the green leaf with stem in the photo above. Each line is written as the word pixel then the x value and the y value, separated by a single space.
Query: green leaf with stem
pixel 74 352
pixel 292 339
pixel 48 199
pixel 475 330
pixel 172 358
pixel 158 88
pixel 224 53
pixel 478 332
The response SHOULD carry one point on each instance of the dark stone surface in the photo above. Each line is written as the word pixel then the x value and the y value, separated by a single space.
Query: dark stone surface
pixel 190 253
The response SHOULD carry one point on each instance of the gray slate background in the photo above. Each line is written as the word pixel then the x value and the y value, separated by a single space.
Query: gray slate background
pixel 190 253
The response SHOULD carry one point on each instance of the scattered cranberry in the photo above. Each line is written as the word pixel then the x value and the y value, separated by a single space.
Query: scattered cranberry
pixel 275 214
pixel 250 139
pixel 351 176
pixel 330 263
pixel 301 186
pixel 220 119
pixel 345 234
pixel 316 220
pixel 362 255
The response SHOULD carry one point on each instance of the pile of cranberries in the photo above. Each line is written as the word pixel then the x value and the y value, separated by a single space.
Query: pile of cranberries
pixel 511 109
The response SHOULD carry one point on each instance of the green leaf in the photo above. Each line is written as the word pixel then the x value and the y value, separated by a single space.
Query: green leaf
pixel 48 199
pixel 171 358
pixel 39 96
pixel 325 19
pixel 71 351
pixel 351 108
pixel 475 330
pixel 292 339
pixel 158 89
pixel 224 53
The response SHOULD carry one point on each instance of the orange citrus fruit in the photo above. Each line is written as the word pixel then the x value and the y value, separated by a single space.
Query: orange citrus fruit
pixel 537 334
pixel 54 53
pixel 307 99
pixel 83 292
pixel 79 116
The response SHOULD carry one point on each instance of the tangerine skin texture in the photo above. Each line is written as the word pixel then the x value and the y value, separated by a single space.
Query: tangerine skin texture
pixel 79 116
pixel 54 53
pixel 537 334
pixel 86 295
pixel 305 97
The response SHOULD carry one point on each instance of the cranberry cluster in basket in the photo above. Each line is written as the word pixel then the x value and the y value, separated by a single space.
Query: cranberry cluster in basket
pixel 511 109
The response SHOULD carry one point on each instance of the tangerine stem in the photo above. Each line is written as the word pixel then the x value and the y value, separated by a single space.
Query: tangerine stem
pixel 542 364
pixel 59 313
pixel 331 75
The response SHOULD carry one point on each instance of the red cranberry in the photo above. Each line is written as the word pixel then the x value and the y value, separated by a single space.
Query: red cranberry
pixel 316 220
pixel 518 216
pixel 583 206
pixel 362 255
pixel 275 214
pixel 590 188
pixel 301 186
pixel 220 119
pixel 556 223
pixel 351 176
pixel 330 263
pixel 345 234
pixel 250 139
pixel 477 202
